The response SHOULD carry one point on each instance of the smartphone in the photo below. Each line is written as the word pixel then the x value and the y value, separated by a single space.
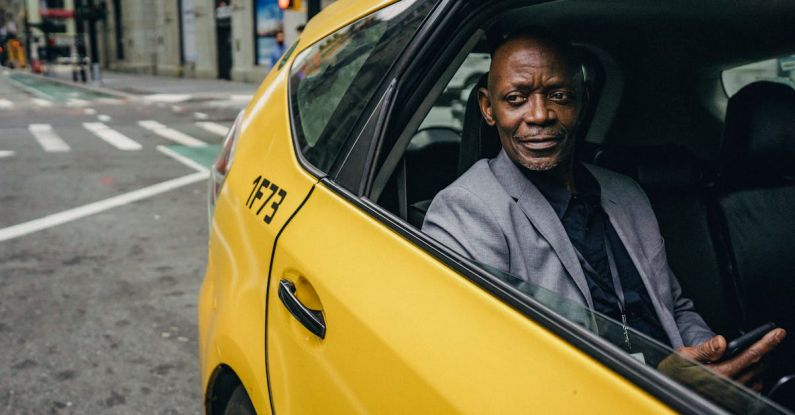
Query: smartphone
pixel 746 340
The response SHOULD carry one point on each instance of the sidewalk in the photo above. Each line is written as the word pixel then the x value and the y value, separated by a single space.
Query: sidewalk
pixel 169 89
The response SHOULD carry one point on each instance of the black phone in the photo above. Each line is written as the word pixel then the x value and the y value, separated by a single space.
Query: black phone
pixel 746 340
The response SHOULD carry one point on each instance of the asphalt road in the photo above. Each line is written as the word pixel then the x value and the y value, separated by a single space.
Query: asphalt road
pixel 102 249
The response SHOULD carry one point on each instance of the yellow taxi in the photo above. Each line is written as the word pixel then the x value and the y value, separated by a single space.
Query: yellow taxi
pixel 322 295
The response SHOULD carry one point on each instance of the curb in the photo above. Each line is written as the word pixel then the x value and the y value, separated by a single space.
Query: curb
pixel 97 89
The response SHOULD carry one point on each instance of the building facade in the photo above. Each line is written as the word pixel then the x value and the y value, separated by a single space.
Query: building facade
pixel 228 39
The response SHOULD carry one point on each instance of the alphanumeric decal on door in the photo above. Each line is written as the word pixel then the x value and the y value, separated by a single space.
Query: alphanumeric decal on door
pixel 275 196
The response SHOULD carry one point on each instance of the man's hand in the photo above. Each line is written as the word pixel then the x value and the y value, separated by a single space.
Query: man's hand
pixel 745 367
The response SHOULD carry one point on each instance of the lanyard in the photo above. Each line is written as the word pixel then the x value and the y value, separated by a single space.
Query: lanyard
pixel 617 287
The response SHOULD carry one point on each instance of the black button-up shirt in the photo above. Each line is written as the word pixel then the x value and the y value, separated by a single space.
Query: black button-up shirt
pixel 588 227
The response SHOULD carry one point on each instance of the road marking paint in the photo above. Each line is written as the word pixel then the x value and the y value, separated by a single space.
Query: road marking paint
pixel 6 153
pixel 73 214
pixel 176 108
pixel 171 134
pixel 89 111
pixel 169 98
pixel 77 102
pixel 241 97
pixel 103 117
pixel 182 159
pixel 4 103
pixel 113 137
pixel 47 138
pixel 214 127
pixel 29 89
pixel 200 115
pixel 41 102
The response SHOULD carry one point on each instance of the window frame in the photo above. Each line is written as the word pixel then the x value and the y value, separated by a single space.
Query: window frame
pixel 450 24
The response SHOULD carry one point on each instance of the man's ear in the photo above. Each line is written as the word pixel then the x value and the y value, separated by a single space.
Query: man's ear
pixel 485 106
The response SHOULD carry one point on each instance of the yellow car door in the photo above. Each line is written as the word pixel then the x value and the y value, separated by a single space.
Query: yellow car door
pixel 361 317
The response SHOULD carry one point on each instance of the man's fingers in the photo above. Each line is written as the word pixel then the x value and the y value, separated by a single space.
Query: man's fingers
pixel 709 351
pixel 753 354
pixel 751 375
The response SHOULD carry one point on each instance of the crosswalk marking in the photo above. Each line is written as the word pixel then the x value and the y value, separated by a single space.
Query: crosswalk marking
pixel 113 137
pixel 77 102
pixel 213 127
pixel 6 153
pixel 41 102
pixel 4 103
pixel 47 138
pixel 171 133
pixel 103 117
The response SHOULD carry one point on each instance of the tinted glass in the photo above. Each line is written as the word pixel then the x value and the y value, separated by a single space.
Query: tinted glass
pixel 332 81
pixel 718 389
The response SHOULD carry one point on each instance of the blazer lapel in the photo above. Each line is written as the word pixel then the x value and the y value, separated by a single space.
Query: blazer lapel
pixel 543 218
pixel 630 240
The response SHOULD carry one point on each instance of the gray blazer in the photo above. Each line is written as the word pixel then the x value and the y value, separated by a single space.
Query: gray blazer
pixel 494 215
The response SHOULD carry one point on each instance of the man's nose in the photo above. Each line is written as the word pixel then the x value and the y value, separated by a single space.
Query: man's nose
pixel 538 112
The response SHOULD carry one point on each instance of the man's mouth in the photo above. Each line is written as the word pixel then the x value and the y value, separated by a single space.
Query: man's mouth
pixel 538 143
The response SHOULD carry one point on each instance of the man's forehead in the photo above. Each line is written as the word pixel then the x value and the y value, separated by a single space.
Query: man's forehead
pixel 528 51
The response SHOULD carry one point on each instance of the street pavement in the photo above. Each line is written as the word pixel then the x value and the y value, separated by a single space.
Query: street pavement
pixel 103 239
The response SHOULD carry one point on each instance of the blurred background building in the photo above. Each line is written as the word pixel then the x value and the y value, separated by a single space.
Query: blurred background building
pixel 227 39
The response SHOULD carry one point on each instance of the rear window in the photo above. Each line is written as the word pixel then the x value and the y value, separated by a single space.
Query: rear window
pixel 780 69
pixel 332 81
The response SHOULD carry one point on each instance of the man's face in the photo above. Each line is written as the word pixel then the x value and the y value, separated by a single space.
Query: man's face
pixel 279 37
pixel 533 101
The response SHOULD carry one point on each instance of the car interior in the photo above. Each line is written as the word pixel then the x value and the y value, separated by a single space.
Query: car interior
pixel 717 166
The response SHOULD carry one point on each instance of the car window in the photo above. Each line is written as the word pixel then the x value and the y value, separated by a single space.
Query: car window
pixel 720 390
pixel 332 81
pixel 780 69
pixel 448 110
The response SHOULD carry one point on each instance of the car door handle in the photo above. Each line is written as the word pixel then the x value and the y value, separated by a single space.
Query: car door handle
pixel 311 319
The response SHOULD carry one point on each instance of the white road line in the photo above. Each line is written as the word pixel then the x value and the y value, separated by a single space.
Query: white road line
pixel 182 159
pixel 113 137
pixel 214 127
pixel 6 153
pixel 60 218
pixel 50 141
pixel 171 134
pixel 168 98
pixel 5 104
pixel 41 102
pixel 200 115
pixel 103 117
pixel 77 102
pixel 89 111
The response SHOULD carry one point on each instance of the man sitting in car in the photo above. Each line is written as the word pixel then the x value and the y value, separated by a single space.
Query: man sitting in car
pixel 586 233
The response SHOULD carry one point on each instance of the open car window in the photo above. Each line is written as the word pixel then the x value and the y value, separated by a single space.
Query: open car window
pixel 718 389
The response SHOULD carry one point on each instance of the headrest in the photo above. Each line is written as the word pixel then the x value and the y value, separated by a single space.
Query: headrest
pixel 759 137
pixel 662 167
pixel 478 139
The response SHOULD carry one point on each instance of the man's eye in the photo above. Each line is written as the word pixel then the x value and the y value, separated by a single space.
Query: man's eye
pixel 515 99
pixel 561 96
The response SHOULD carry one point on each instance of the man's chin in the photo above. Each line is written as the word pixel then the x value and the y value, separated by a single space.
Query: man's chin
pixel 541 165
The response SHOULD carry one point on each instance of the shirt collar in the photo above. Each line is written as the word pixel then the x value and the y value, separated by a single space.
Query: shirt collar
pixel 556 193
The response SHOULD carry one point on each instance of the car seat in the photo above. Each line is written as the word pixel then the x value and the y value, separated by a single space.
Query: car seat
pixel 756 198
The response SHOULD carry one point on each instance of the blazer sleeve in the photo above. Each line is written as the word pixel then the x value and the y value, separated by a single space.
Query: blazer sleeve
pixel 462 221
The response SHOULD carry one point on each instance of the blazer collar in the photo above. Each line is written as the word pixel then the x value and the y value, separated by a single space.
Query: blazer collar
pixel 542 216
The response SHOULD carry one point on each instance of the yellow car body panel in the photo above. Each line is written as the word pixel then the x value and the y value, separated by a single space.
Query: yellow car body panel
pixel 448 350
pixel 406 334
pixel 232 298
